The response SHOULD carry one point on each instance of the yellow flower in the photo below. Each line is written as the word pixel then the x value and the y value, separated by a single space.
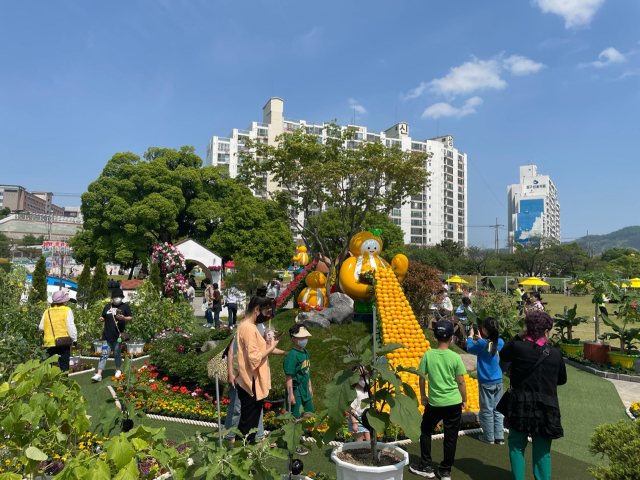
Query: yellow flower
pixel 24 309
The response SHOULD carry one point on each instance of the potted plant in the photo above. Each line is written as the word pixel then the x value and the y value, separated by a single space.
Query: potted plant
pixel 97 346
pixel 391 400
pixel 629 314
pixel 566 321
pixel 601 285
pixel 135 347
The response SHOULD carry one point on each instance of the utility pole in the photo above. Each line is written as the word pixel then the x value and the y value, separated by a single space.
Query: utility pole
pixel 497 237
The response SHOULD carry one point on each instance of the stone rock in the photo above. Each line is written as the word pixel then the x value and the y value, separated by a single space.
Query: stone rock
pixel 210 345
pixel 340 309
pixel 313 319
pixel 470 362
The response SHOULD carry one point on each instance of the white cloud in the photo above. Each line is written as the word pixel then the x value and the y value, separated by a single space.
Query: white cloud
pixel 357 107
pixel 519 65
pixel 469 77
pixel 438 110
pixel 476 75
pixel 607 57
pixel 576 13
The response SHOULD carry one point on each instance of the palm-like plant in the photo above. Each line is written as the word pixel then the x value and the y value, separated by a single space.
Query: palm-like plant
pixel 566 321
pixel 601 285
pixel 629 313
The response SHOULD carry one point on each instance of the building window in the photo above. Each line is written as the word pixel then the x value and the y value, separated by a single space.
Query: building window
pixel 223 158
pixel 416 231
pixel 416 240
pixel 223 147
pixel 416 205
pixel 395 212
pixel 396 221
pixel 416 214
pixel 417 223
pixel 262 132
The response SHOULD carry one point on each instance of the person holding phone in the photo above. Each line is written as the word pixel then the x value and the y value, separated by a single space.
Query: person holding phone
pixel 253 373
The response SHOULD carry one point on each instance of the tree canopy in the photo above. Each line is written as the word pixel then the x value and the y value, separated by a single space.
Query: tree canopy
pixel 167 196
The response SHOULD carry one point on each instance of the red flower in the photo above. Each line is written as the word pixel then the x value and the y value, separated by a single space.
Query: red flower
pixel 175 389
pixel 154 386
pixel 266 405
pixel 154 374
pixel 164 379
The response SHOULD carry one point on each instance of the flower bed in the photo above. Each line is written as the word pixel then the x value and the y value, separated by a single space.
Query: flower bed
pixel 167 399
pixel 635 409
pixel 603 367
pixel 295 287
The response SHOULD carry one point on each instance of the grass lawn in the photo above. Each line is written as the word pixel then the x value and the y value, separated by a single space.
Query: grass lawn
pixel 585 331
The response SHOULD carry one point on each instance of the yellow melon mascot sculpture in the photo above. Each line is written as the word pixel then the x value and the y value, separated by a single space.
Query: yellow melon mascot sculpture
pixel 301 259
pixel 314 295
pixel 365 248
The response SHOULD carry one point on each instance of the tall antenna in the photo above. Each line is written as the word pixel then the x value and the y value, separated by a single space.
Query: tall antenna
pixel 497 237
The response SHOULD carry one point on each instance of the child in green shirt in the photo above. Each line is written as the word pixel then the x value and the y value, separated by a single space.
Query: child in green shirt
pixel 446 399
pixel 296 368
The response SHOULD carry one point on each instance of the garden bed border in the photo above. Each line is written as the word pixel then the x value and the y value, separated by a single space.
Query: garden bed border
pixel 629 414
pixel 85 357
pixel 600 373
pixel 92 369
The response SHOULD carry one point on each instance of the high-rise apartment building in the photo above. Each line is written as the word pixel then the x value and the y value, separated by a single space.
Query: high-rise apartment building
pixel 534 211
pixel 439 212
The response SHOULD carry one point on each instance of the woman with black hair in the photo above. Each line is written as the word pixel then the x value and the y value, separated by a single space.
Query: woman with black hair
pixel 489 378
pixel 254 376
pixel 532 407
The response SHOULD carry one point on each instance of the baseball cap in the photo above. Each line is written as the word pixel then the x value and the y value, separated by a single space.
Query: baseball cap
pixel 117 293
pixel 443 330
pixel 302 332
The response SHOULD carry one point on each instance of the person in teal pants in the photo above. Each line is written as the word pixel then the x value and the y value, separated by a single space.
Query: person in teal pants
pixel 532 409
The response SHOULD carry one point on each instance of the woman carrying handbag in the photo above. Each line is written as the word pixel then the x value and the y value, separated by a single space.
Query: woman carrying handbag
pixel 59 329
pixel 530 406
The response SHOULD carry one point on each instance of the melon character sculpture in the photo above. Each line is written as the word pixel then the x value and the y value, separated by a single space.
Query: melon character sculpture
pixel 365 248
pixel 301 259
pixel 314 294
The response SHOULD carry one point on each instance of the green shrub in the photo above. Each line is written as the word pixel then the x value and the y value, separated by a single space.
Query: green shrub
pixel 621 443
pixel 38 292
pixel 6 267
pixel 98 290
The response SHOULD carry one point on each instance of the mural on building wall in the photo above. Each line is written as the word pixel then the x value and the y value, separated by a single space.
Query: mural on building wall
pixel 530 221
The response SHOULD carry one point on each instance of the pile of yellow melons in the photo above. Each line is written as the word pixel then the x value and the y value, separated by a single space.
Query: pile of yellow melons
pixel 399 325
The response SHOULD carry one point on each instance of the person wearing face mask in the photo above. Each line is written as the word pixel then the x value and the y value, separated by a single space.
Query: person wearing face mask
pixel 253 374
pixel 115 316
pixel 297 367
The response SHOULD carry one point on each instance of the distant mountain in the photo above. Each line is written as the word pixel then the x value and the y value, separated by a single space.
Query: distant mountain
pixel 627 237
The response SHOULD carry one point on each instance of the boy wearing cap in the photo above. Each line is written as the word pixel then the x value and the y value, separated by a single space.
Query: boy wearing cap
pixel 446 399
pixel 296 368
pixel 114 315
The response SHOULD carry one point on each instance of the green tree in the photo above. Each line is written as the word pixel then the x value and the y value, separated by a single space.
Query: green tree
pixel 613 253
pixel 535 258
pixel 5 246
pixel 429 256
pixel 600 285
pixel 99 290
pixel 354 178
pixel 29 240
pixel 627 265
pixel 154 277
pixel 84 286
pixel 38 292
pixel 249 275
pixel 5 212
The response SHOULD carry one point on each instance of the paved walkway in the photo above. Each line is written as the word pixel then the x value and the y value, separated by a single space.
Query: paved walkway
pixel 629 391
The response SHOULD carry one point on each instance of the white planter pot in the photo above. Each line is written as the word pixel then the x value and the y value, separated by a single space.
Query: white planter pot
pixel 73 361
pixel 348 471
pixel 97 346
pixel 135 348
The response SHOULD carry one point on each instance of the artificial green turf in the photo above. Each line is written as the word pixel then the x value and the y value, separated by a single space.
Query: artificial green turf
pixel 586 401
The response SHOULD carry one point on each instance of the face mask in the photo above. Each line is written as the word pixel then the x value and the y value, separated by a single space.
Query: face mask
pixel 261 318
pixel 303 343
pixel 116 300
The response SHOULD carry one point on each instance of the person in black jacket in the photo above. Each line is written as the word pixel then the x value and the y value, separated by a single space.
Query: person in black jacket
pixel 533 405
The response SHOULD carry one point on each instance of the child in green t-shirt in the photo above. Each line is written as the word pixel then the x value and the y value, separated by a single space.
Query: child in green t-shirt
pixel 296 368
pixel 446 399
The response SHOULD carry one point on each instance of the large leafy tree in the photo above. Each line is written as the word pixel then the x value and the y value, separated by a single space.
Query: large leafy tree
pixel 167 196
pixel 312 176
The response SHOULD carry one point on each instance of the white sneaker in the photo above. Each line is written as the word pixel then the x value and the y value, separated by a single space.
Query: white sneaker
pixel 118 373
pixel 97 377
pixel 213 328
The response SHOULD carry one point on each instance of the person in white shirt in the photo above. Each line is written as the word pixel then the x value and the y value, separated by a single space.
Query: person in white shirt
pixel 231 302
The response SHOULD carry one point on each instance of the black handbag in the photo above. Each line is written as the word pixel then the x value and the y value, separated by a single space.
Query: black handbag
pixel 503 405
pixel 60 341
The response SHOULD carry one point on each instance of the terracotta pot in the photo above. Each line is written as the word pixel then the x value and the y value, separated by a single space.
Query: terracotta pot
pixel 597 352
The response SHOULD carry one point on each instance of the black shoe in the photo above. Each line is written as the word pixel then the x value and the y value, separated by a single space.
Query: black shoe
pixel 422 470
pixel 445 475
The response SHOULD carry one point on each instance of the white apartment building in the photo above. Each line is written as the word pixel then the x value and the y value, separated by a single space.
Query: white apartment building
pixel 534 211
pixel 439 212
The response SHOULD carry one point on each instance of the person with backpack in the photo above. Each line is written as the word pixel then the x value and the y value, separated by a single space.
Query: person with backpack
pixel 489 378
pixel 530 407
pixel 446 399
pixel 59 329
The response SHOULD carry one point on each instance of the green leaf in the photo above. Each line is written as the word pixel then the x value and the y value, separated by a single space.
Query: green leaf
pixel 139 444
pixel 120 451
pixel 61 437
pixel 129 472
pixel 34 453
pixel 390 377
pixel 291 436
pixel 404 412
pixel 388 348
pixel 378 420
pixel 10 476
pixel 339 393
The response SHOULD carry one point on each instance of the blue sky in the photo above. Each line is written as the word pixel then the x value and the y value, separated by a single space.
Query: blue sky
pixel 551 82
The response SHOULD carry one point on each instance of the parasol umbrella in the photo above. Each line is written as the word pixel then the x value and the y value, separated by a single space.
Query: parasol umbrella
pixel 534 281
pixel 456 279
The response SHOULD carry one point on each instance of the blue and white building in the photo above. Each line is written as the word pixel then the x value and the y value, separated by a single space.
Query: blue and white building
pixel 534 211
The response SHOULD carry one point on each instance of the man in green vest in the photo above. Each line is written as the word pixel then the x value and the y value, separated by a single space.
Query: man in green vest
pixel 57 321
